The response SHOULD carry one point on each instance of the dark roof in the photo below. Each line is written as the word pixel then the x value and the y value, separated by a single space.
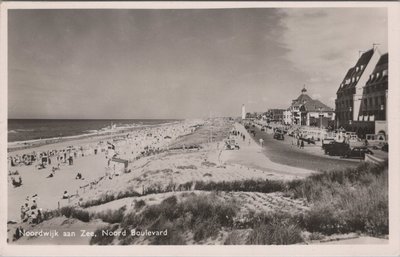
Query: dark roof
pixel 306 103
pixel 314 105
pixel 383 60
pixel 381 65
pixel 365 57
pixel 114 159
pixel 302 98
pixel 353 72
pixel 347 76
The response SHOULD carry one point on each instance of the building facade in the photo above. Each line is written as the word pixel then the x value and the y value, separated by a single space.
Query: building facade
pixel 362 96
pixel 305 111
pixel 275 115
pixel 287 117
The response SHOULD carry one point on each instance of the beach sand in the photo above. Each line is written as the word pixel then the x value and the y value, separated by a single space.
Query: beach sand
pixel 176 164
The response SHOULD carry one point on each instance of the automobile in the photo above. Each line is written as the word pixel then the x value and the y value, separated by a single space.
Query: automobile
pixel 308 140
pixel 231 144
pixel 326 142
pixel 357 152
pixel 278 136
pixel 337 148
pixel 385 147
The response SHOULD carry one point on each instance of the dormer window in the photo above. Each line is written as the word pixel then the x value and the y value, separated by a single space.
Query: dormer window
pixel 356 69
pixel 384 73
pixel 358 78
pixel 377 75
pixel 362 67
pixel 372 76
pixel 352 79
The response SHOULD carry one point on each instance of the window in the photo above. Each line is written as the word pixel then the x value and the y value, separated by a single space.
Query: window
pixel 372 76
pixel 362 67
pixel 358 78
pixel 377 75
pixel 384 73
pixel 356 69
pixel 376 101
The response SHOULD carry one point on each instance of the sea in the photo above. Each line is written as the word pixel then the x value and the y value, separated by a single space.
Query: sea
pixel 34 129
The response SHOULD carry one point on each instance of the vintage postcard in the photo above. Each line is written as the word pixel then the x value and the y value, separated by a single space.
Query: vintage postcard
pixel 179 128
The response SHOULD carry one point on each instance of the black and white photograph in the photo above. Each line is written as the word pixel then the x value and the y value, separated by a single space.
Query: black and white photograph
pixel 198 126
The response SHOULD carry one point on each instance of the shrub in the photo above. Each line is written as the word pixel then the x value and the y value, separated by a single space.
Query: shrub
pixel 100 239
pixel 72 212
pixel 276 229
pixel 236 237
pixel 248 185
pixel 203 215
pixel 139 204
pixel 110 216
pixel 359 204
pixel 105 198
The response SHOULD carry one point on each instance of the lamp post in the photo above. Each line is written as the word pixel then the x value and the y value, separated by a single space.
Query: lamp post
pixel 320 118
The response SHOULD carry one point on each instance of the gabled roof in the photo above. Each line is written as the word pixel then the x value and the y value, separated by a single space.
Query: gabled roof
pixel 346 77
pixel 315 105
pixel 365 58
pixel 301 99
pixel 380 66
pixel 356 71
pixel 384 60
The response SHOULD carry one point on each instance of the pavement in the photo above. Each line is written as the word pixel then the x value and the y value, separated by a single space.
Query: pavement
pixel 311 157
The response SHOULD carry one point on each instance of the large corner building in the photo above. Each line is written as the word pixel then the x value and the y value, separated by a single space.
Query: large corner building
pixel 305 111
pixel 362 96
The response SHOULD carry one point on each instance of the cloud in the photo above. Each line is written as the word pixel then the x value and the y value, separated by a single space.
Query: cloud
pixel 324 43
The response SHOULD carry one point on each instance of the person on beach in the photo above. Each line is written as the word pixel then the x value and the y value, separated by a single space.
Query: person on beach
pixel 34 205
pixel 261 142
pixel 18 233
pixel 302 144
pixel 78 176
pixel 24 209
pixel 65 195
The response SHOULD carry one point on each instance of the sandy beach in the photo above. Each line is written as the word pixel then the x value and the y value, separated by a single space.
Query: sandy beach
pixel 165 161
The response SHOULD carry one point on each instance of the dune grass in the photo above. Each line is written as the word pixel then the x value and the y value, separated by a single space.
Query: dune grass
pixel 342 201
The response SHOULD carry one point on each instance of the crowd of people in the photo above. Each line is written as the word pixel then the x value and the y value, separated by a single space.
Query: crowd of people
pixel 130 146
pixel 30 212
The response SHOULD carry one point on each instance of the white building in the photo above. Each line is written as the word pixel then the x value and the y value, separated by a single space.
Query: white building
pixel 287 117
pixel 243 112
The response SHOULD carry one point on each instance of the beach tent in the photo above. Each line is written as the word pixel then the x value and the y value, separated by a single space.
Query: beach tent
pixel 119 163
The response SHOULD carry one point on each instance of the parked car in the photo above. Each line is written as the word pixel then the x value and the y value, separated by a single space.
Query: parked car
pixel 337 148
pixel 326 142
pixel 231 145
pixel 279 136
pixel 357 152
pixel 308 140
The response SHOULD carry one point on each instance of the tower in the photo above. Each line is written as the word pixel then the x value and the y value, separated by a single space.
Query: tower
pixel 304 90
pixel 243 112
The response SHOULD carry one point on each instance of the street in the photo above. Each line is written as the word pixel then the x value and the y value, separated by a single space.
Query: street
pixel 284 153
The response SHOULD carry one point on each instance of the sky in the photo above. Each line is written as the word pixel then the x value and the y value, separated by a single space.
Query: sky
pixel 133 64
